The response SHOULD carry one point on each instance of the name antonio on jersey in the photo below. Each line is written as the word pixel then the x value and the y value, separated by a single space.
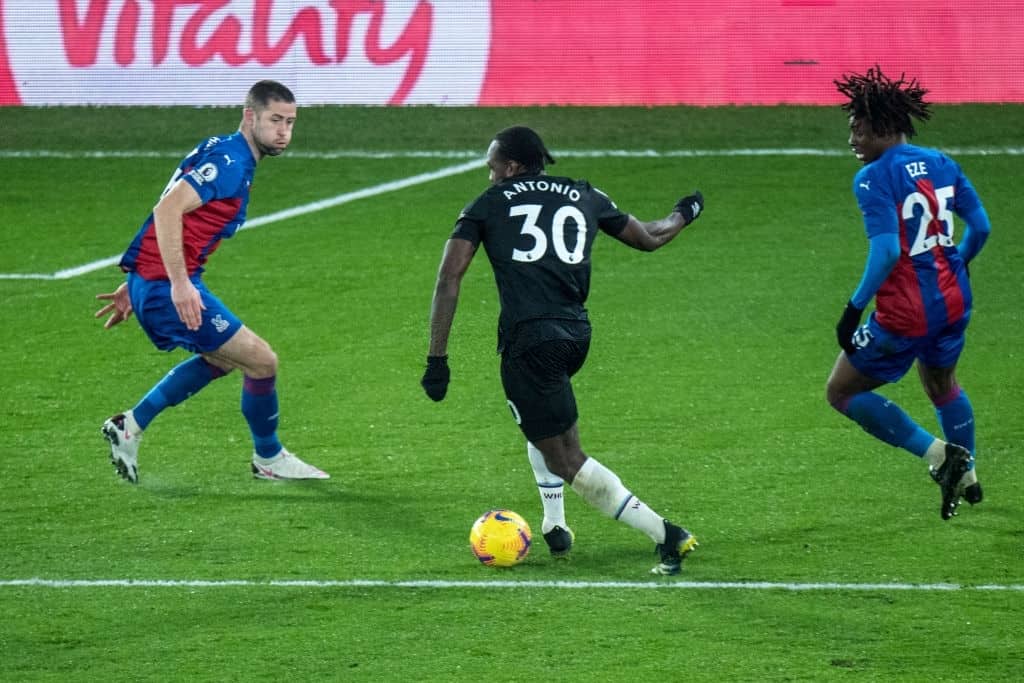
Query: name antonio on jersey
pixel 563 189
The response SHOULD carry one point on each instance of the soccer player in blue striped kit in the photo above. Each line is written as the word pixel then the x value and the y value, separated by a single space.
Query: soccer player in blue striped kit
pixel 918 278
pixel 204 202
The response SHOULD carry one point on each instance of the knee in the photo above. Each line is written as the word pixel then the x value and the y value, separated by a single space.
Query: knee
pixel 264 364
pixel 573 463
pixel 939 384
pixel 941 393
pixel 560 468
pixel 836 397
pixel 216 368
pixel 565 464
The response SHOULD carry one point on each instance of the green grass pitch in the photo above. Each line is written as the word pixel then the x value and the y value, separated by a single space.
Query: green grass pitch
pixel 704 392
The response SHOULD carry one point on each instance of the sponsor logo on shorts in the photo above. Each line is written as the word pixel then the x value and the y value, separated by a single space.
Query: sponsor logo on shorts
pixel 862 337
pixel 219 323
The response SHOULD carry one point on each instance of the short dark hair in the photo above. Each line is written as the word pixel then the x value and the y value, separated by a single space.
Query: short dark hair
pixel 522 144
pixel 887 105
pixel 262 92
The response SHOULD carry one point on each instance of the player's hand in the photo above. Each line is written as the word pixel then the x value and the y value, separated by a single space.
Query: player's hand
pixel 847 325
pixel 120 306
pixel 435 377
pixel 189 304
pixel 690 207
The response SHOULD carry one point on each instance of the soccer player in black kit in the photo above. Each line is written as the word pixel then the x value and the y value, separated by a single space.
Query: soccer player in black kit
pixel 538 232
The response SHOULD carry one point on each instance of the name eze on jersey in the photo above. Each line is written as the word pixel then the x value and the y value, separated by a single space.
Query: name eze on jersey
pixel 916 168
pixel 563 189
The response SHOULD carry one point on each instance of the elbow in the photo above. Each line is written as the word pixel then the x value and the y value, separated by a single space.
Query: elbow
pixel 979 221
pixel 649 243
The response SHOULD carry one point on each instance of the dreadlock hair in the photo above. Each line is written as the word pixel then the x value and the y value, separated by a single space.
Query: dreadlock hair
pixel 262 92
pixel 887 105
pixel 522 144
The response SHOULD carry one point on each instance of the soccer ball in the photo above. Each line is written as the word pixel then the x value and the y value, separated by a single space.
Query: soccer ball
pixel 500 538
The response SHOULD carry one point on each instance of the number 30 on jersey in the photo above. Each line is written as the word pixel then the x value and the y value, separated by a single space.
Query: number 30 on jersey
pixel 531 213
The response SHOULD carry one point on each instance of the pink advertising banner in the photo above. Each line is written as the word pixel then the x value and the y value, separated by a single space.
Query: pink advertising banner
pixel 502 52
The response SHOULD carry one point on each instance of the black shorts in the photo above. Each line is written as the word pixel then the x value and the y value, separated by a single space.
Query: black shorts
pixel 538 389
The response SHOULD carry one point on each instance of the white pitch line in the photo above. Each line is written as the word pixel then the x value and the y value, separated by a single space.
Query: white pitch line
pixel 284 214
pixel 475 162
pixel 499 583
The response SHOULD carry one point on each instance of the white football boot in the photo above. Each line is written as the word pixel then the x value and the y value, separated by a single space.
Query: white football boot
pixel 284 465
pixel 124 447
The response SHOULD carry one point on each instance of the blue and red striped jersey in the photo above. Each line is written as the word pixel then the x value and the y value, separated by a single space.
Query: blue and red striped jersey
pixel 914 192
pixel 221 170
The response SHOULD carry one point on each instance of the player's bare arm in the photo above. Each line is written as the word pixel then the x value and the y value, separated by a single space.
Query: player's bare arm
pixel 458 253
pixel 167 217
pixel 651 235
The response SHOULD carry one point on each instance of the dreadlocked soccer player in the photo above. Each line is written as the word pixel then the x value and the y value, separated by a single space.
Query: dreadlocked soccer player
pixel 918 277
pixel 538 232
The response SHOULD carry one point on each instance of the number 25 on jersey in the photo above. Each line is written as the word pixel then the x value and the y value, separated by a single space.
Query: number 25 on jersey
pixel 942 234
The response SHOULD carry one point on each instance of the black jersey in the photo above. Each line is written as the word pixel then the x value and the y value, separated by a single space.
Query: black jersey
pixel 538 232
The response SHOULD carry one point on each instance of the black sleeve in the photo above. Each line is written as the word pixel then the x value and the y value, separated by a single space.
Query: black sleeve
pixel 471 222
pixel 609 218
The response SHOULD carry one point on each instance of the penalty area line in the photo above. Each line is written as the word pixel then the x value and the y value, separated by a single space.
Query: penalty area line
pixel 510 584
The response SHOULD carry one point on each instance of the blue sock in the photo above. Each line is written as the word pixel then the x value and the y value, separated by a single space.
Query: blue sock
pixel 184 380
pixel 957 418
pixel 259 405
pixel 885 420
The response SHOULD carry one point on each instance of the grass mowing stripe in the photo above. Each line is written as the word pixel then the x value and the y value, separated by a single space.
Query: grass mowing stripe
pixel 475 162
pixel 382 188
pixel 470 154
pixel 284 214
pixel 498 583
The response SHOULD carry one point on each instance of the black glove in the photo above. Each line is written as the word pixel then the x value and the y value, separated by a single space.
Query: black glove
pixel 690 207
pixel 435 377
pixel 847 325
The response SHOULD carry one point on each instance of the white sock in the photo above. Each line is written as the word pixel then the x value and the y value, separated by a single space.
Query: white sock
pixel 936 453
pixel 130 425
pixel 551 488
pixel 637 515
pixel 970 478
pixel 603 489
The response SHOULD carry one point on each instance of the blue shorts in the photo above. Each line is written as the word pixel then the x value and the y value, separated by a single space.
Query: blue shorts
pixel 152 305
pixel 886 356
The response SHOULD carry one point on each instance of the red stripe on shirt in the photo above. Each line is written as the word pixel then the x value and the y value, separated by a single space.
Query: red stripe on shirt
pixel 898 303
